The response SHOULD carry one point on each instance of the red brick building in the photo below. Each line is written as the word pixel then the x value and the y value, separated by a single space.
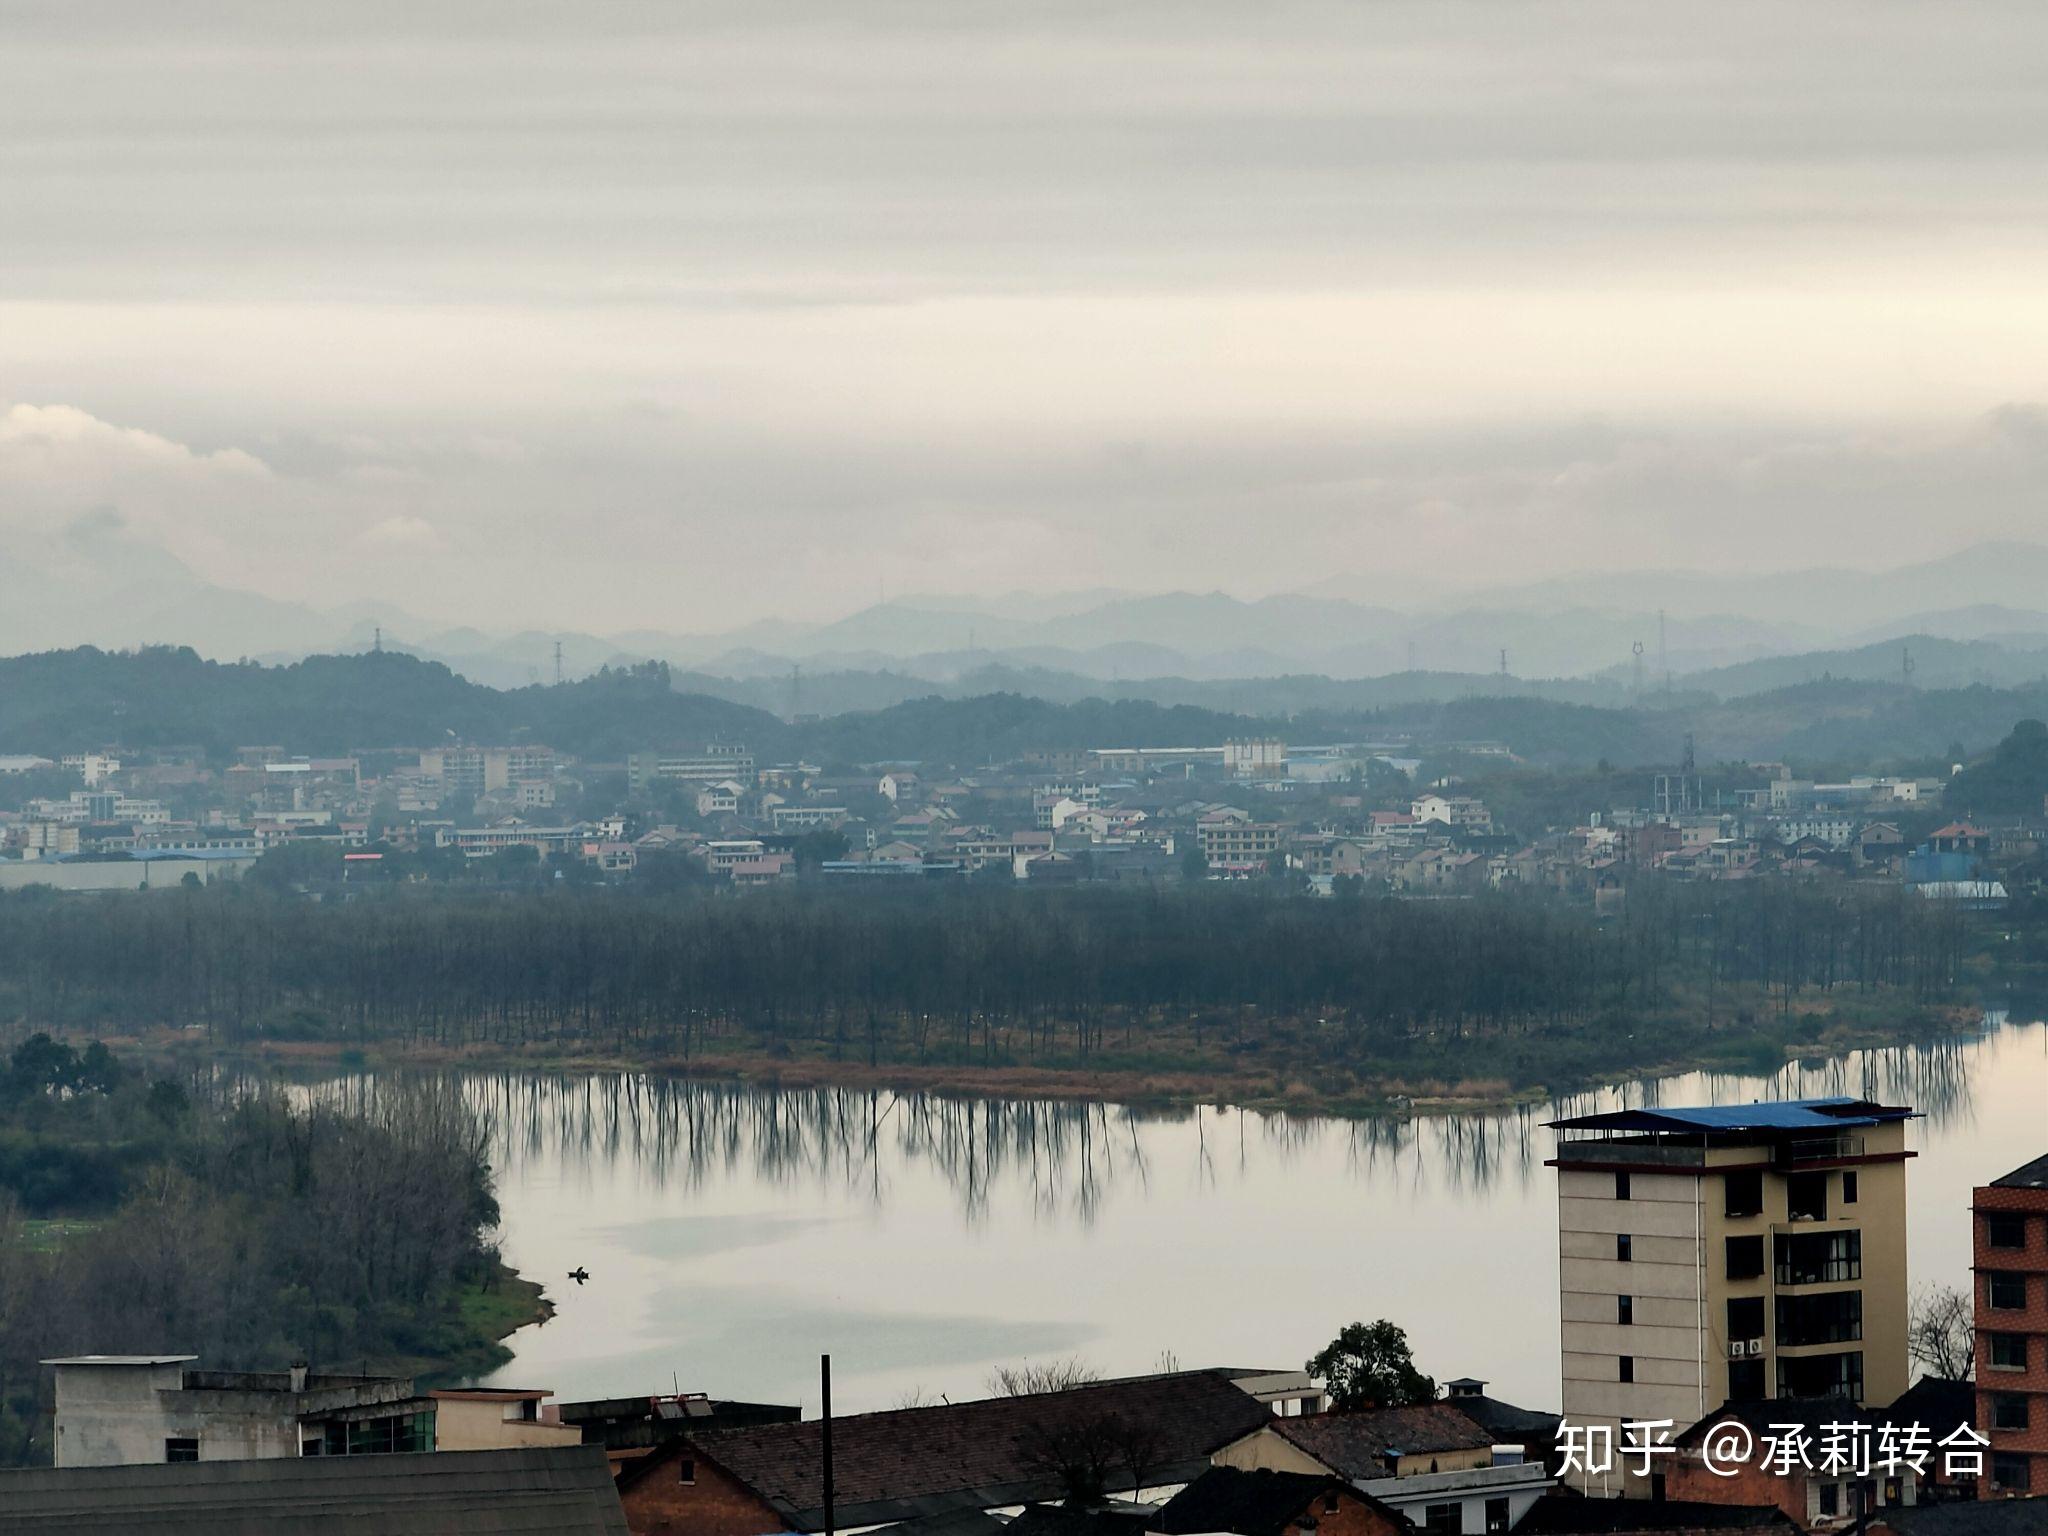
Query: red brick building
pixel 2009 1221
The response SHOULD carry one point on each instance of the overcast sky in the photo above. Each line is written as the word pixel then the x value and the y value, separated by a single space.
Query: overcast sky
pixel 677 315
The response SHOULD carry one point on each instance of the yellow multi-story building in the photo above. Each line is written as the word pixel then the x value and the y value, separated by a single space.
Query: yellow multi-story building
pixel 1730 1254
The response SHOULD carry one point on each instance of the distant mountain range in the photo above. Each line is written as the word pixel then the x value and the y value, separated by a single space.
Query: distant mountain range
pixel 1979 616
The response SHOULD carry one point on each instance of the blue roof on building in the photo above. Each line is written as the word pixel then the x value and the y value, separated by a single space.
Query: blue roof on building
pixel 1832 1114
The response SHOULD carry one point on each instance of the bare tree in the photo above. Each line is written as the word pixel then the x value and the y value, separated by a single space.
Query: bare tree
pixel 1941 1332
pixel 1041 1376
pixel 1088 1453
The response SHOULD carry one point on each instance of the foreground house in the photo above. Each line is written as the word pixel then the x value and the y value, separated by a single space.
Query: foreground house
pixel 122 1410
pixel 1268 1503
pixel 1123 1437
pixel 1433 1464
pixel 565 1491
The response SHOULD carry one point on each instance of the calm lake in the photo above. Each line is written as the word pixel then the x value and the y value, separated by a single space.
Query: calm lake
pixel 733 1234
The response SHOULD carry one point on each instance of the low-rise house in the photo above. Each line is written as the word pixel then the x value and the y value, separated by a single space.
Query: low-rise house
pixel 765 869
pixel 1268 1503
pixel 498 1418
pixel 630 1427
pixel 1817 1495
pixel 118 1410
pixel 1531 1429
pixel 1433 1463
pixel 1136 1434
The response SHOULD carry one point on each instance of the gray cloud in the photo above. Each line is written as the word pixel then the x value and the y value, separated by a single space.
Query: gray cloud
pixel 591 299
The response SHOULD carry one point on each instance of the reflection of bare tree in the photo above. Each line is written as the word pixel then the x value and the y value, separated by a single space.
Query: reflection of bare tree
pixel 1069 1161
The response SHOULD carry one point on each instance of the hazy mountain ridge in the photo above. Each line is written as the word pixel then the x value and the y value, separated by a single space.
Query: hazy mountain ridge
pixel 1969 618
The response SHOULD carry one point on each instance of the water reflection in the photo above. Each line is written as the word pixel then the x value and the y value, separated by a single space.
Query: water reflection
pixel 1075 1158
pixel 730 1227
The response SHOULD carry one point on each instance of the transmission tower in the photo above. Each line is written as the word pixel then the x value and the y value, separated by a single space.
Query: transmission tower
pixel 1906 665
pixel 558 663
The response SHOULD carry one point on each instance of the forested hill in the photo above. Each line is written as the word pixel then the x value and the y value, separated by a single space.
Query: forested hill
pixel 70 700
pixel 65 700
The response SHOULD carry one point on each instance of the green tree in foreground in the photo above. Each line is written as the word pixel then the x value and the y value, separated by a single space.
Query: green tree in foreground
pixel 1369 1365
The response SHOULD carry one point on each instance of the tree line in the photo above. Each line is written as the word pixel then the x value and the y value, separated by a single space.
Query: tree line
pixel 964 970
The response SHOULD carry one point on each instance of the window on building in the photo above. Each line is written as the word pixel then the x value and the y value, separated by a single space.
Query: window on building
pixel 1821 1375
pixel 1806 1197
pixel 1624 1247
pixel 1830 1498
pixel 1742 1194
pixel 1745 1318
pixel 2008 1410
pixel 1849 1188
pixel 1819 1258
pixel 1331 1500
pixel 1745 1381
pixel 1745 1258
pixel 2009 1472
pixel 1621 1186
pixel 1497 1516
pixel 1625 1310
pixel 2008 1351
pixel 1833 1317
pixel 2006 1291
pixel 181 1448
pixel 1627 1368
pixel 686 1470
pixel 2005 1231
pixel 1443 1519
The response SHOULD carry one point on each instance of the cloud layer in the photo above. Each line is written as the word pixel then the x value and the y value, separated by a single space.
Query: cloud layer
pixel 674 315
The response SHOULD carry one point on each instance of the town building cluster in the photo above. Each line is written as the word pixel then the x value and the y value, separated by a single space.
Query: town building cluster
pixel 1344 817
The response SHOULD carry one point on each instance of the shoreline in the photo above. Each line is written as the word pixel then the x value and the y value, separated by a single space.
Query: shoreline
pixel 1287 1086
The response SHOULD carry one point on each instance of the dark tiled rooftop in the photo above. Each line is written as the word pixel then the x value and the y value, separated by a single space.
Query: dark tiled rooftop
pixel 565 1491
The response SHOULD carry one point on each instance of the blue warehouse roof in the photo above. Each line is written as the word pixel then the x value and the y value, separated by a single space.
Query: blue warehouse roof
pixel 1780 1115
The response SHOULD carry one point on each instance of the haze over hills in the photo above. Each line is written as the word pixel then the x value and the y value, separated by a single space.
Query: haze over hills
pixel 1973 617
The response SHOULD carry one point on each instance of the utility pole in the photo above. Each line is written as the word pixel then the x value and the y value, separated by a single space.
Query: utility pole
pixel 825 1431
